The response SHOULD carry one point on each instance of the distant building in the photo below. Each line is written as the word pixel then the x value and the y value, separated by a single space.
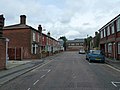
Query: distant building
pixel 75 45
pixel 110 38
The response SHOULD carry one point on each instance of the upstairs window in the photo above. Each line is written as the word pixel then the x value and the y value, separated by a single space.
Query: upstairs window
pixel 101 34
pixel 33 36
pixel 108 31
pixel 104 32
pixel 118 25
pixel 112 28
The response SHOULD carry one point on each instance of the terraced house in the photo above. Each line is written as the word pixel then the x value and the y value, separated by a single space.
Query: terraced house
pixel 110 38
pixel 26 42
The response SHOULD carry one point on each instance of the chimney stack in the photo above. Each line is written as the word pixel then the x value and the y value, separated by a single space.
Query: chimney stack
pixel 1 25
pixel 48 34
pixel 22 19
pixel 40 28
pixel 96 33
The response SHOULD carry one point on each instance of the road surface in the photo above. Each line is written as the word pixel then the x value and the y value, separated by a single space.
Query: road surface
pixel 68 71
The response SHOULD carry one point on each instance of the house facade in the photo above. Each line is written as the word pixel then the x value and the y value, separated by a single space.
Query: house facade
pixel 25 41
pixel 75 45
pixel 110 38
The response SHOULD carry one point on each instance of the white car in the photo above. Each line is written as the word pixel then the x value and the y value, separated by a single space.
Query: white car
pixel 82 52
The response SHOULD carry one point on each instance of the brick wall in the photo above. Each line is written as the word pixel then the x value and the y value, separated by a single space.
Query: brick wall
pixel 20 38
pixel 2 53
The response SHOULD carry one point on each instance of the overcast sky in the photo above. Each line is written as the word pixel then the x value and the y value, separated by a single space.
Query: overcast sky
pixel 70 18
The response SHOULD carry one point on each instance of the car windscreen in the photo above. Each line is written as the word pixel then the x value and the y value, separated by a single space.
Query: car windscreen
pixel 95 52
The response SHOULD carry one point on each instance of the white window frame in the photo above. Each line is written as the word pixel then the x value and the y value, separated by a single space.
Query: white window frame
pixel 108 30
pixel 118 47
pixel 101 34
pixel 112 28
pixel 110 48
pixel 104 32
pixel 34 49
pixel 34 36
pixel 118 25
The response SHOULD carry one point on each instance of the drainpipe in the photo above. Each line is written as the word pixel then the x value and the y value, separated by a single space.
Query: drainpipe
pixel 114 51
pixel 7 40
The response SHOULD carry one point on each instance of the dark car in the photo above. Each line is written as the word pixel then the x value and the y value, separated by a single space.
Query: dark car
pixel 95 55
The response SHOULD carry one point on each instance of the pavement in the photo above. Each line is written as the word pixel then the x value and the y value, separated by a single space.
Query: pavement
pixel 114 63
pixel 17 68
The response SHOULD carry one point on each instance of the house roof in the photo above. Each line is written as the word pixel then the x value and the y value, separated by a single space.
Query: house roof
pixel 111 21
pixel 16 26
pixel 24 26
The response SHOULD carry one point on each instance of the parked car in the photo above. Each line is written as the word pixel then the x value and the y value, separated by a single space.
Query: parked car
pixel 95 55
pixel 82 52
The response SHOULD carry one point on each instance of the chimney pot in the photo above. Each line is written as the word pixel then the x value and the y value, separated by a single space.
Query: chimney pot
pixel 40 28
pixel 48 33
pixel 22 19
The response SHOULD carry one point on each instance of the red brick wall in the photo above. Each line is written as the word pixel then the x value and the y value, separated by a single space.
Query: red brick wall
pixel 118 34
pixel 20 38
pixel 2 54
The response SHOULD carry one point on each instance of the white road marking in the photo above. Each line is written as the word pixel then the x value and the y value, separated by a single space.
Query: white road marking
pixel 42 76
pixel 114 84
pixel 41 66
pixel 114 68
pixel 49 71
pixel 28 89
pixel 36 82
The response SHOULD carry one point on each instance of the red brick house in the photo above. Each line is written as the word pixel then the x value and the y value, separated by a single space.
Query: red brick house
pixel 25 41
pixel 110 38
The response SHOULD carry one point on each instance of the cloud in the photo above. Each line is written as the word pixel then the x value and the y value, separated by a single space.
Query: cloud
pixel 70 18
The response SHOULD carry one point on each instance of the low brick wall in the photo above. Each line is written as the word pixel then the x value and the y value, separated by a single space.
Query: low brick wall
pixel 2 53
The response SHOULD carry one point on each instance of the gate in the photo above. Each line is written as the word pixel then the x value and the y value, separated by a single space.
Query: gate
pixel 15 53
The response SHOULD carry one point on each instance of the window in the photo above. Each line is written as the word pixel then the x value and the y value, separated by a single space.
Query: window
pixel 72 44
pixel 104 33
pixel 33 36
pixel 119 48
pixel 101 34
pixel 77 44
pixel 118 24
pixel 110 48
pixel 108 31
pixel 34 49
pixel 112 28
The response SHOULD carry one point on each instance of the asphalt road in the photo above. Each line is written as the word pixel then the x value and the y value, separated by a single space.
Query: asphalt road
pixel 68 71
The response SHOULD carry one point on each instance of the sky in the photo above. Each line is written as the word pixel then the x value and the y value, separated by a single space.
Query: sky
pixel 74 19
